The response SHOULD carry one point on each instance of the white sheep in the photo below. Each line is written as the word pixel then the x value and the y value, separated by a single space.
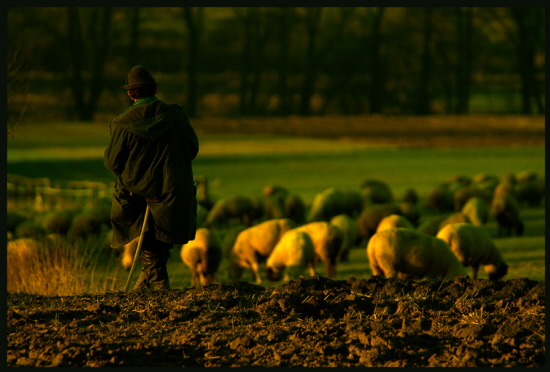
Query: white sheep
pixel 203 256
pixel 394 220
pixel 327 241
pixel 349 229
pixel 292 254
pixel 408 253
pixel 473 246
pixel 254 245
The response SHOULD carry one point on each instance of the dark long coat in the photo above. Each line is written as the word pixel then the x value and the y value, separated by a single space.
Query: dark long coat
pixel 151 148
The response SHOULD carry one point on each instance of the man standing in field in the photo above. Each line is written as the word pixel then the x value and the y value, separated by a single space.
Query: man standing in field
pixel 151 148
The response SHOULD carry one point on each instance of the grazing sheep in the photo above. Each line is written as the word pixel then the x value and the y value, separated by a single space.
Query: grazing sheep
pixel 525 176
pixel 203 255
pixel 203 195
pixel 433 224
pixel 327 242
pixel 411 212
pixel 228 237
pixel 473 246
pixel 349 229
pixel 242 208
pixel 465 193
pixel 84 224
pixel 484 177
pixel 292 254
pixel 295 208
pixel 477 210
pixel 202 213
pixel 528 192
pixel 392 221
pixel 254 245
pixel 505 209
pixel 504 187
pixel 59 221
pixel 408 253
pixel 460 179
pixel 376 192
pixel 410 196
pixel 440 199
pixel 332 202
pixel 275 190
pixel 30 229
pixel 274 206
pixel 370 217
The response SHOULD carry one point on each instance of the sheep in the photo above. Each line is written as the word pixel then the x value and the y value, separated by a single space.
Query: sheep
pixel 408 253
pixel 243 208
pixel 254 245
pixel 59 221
pixel 376 192
pixel 528 192
pixel 292 254
pixel 477 210
pixel 84 224
pixel 203 255
pixel 370 217
pixel 334 201
pixel 347 225
pixel 203 195
pixel 393 220
pixel 433 224
pixel 274 206
pixel 228 237
pixel 505 209
pixel 410 196
pixel 473 246
pixel 440 199
pixel 463 194
pixel 295 208
pixel 411 212
pixel 504 187
pixel 327 242
pixel 30 229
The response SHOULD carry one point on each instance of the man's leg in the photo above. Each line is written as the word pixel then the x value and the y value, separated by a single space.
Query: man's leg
pixel 154 255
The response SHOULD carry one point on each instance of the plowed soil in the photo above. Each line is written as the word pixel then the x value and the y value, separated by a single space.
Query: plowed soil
pixel 307 322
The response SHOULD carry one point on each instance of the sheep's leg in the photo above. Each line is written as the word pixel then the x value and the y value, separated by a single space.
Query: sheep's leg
pixel 256 271
pixel 330 269
pixel 311 269
pixel 475 269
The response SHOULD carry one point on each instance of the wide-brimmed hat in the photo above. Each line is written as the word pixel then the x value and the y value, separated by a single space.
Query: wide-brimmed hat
pixel 138 77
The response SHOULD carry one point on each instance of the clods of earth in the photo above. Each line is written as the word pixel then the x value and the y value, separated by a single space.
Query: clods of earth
pixel 309 322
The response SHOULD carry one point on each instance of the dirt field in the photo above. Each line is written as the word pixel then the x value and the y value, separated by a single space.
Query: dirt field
pixel 308 322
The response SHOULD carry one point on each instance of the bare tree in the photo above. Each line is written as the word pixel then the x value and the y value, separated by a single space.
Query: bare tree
pixel 194 19
pixel 88 45
pixel 528 30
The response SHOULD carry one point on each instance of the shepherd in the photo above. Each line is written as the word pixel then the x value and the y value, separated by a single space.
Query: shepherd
pixel 151 149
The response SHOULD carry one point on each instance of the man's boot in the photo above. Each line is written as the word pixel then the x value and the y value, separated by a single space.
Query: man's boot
pixel 159 275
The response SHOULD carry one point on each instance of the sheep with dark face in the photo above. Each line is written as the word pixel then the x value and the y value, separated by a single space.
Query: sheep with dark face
pixel 254 245
pixel 203 256
pixel 408 253
pixel 473 246
pixel 292 255
pixel 505 209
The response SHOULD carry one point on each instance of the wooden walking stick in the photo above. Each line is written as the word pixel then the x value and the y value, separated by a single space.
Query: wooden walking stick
pixel 138 249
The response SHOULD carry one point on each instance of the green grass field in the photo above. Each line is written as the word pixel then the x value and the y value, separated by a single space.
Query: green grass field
pixel 244 164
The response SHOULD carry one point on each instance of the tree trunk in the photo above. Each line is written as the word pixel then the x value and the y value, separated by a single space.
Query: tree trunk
pixel 423 92
pixel 376 88
pixel 313 18
pixel 193 18
pixel 464 59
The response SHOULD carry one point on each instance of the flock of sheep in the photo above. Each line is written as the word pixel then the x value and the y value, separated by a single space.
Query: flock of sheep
pixel 439 235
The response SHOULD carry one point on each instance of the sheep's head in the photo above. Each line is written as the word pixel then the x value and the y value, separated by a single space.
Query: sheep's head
pixel 272 274
pixel 500 271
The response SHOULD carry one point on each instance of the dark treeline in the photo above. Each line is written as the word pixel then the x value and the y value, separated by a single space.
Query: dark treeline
pixel 288 61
